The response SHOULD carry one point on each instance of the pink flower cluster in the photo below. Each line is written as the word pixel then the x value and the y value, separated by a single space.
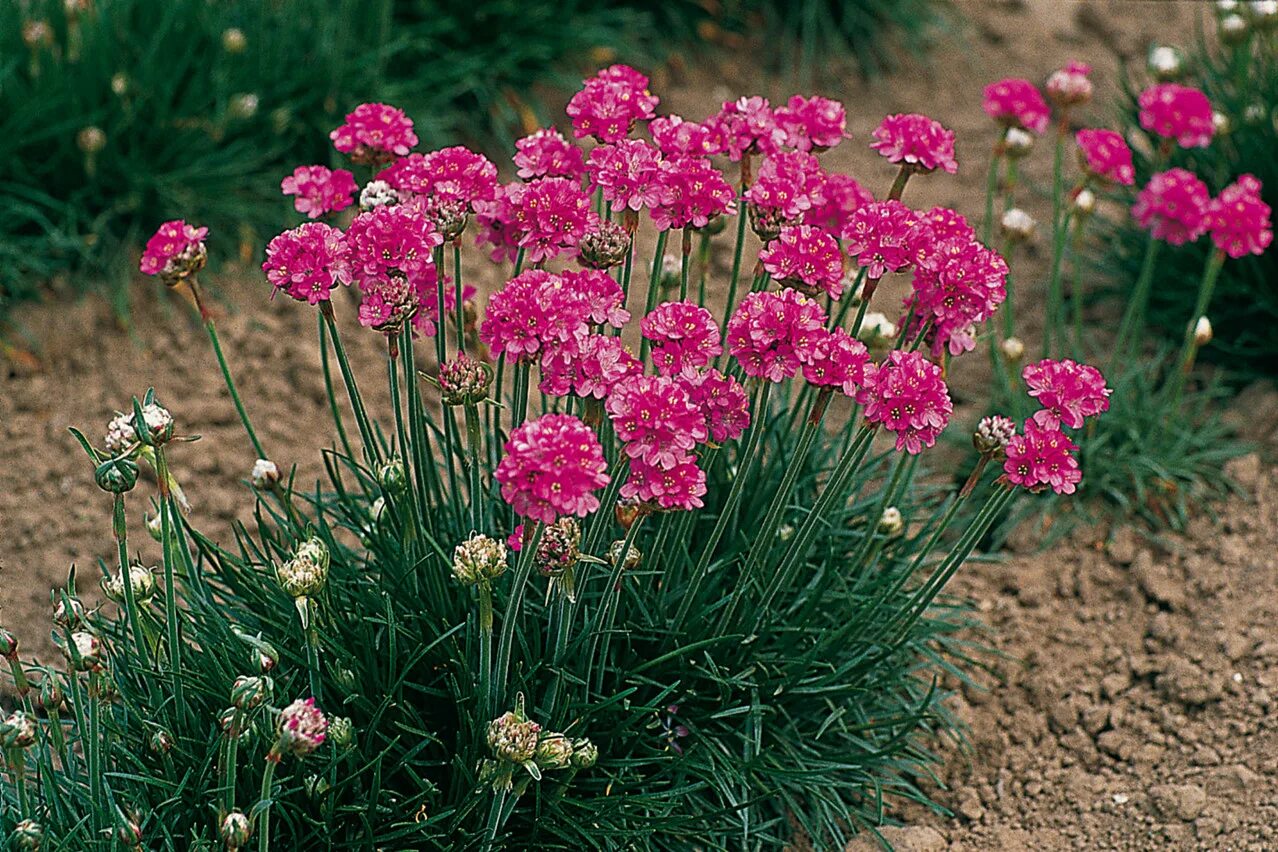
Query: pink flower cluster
pixel 587 366
pixel 551 215
pixel 319 190
pixel 1173 205
pixel 609 104
pixel 1070 85
pixel 837 360
pixel 1015 102
pixel 805 257
pixel 656 419
pixel 813 123
pixel 676 137
pixel 495 224
pixel 534 313
pixel 720 399
pixel 959 285
pixel 627 173
pixel 394 241
pixel 173 246
pixel 307 262
pixel 684 336
pixel 771 334
pixel 887 236
pixel 1178 112
pixel 1239 220
pixel 1041 457
pixel 789 183
pixel 1104 154
pixel 917 141
pixel 747 126
pixel 546 153
pixel 841 196
pixel 375 133
pixel 552 467
pixel 1067 390
pixel 449 175
pixel 691 192
pixel 602 295
pixel 907 395
pixel 680 486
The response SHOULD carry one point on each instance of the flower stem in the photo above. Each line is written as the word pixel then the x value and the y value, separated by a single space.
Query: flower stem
pixel 168 539
pixel 1060 229
pixel 1189 347
pixel 991 189
pixel 486 705
pixel 736 259
pixel 510 616
pixel 264 829
pixel 1133 322
pixel 328 389
pixel 120 529
pixel 352 388
pixel 898 184
pixel 654 285
pixel 474 441
pixel 685 257
pixel 460 293
pixel 211 328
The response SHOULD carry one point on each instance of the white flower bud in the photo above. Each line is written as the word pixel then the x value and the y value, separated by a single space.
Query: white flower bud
pixel 1018 142
pixel 1018 225
pixel 307 572
pixel 1166 63
pixel 1220 123
pixel 377 193
pixel 141 578
pixel 244 105
pixel 1084 202
pixel 1013 349
pixel 265 474
pixel 479 558
pixel 891 523
pixel 1202 332
pixel 1232 29
pixel 234 40
pixel 91 139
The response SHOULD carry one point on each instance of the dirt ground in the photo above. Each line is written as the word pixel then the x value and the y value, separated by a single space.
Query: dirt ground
pixel 1131 708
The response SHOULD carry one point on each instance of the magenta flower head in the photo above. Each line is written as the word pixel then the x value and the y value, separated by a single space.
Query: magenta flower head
pixel 627 173
pixel 546 153
pixel 837 360
pixel 1015 102
pixel 917 141
pixel 300 730
pixel 454 175
pixel 772 334
pixel 887 236
pixel 1173 205
pixel 960 283
pixel 684 336
pixel 806 258
pixel 789 184
pixel 946 224
pixel 609 104
pixel 551 214
pixel 721 400
pixel 1178 112
pixel 307 262
pixel 907 394
pixel 1104 154
pixel 319 190
pixel 747 126
pixel 812 124
pixel 495 225
pixel 680 487
pixel 656 419
pixel 602 295
pixel 677 138
pixel 1067 390
pixel 175 251
pixel 374 134
pixel 552 467
pixel 587 366
pixel 535 312
pixel 1071 85
pixel 841 196
pixel 1239 220
pixel 391 240
pixel 691 192
pixel 1041 457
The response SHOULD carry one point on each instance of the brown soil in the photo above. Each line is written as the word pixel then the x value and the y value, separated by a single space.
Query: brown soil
pixel 1130 711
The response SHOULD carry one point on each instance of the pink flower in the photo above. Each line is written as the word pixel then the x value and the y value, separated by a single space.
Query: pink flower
pixel 747 126
pixel 1174 206
pixel 1041 457
pixel 678 138
pixel 805 257
pixel 175 250
pixel 319 190
pixel 496 226
pixel 387 303
pixel 1177 112
pixel 456 175
pixel 1015 102
pixel 602 295
pixel 390 240
pixel 515 541
pixel 1104 154
pixel 656 419
pixel 837 360
pixel 552 214
pixel 916 140
pixel 302 728
pixel 961 283
pixel 679 487
pixel 691 193
pixel 552 467
pixel 789 183
pixel 683 336
pixel 720 399
pixel 1067 390
pixel 887 236
pixel 907 394
pixel 1239 220
pixel 546 153
pixel 375 133
pixel 812 123
pixel 627 172
pixel 772 334
pixel 1070 85
pixel 841 196
pixel 307 262
pixel 535 312
pixel 610 103
pixel 588 366
pixel 950 333
pixel 947 224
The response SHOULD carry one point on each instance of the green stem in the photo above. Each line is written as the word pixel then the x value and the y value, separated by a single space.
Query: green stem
pixel 334 410
pixel 352 388
pixel 685 258
pixel 991 189
pixel 736 260
pixel 264 829
pixel 1189 347
pixel 1060 227
pixel 510 616
pixel 474 441
pixel 654 285
pixel 232 758
pixel 168 538
pixel 120 529
pixel 1133 323
pixel 610 602
pixel 211 328
pixel 898 184
pixel 489 710
pixel 457 286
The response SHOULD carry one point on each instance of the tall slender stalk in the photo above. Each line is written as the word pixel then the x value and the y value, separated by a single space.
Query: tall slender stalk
pixel 1133 322
pixel 1060 228
pixel 168 542
pixel 265 802
pixel 121 532
pixel 211 328
pixel 352 387
pixel 1189 346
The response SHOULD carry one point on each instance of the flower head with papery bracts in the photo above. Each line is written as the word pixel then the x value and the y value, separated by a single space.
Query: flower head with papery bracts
pixel 841 196
pixel 307 262
pixel 747 126
pixel 496 226
pixel 960 283
pixel 677 138
pixel 605 246
pixel 1067 390
pixel 386 240
pixel 907 395
pixel 916 140
pixel 533 313
pixel 552 466
pixel 1071 85
pixel 684 336
pixel 1015 102
pixel 1239 220
pixel 722 401
pixel 375 133
pixel 319 190
pixel 814 123
pixel 946 224
pixel 546 153
pixel 789 183
pixel 887 236
pixel 1173 205
pixel 656 419
pixel 1104 154
pixel 301 729
pixel 691 193
pixel 587 366
pixel 627 174
pixel 837 360
pixel 175 251
pixel 1041 457
pixel 602 295
pixel 450 175
pixel 1178 112
pixel 807 258
pixel 772 334
pixel 551 214
pixel 678 487
pixel 609 104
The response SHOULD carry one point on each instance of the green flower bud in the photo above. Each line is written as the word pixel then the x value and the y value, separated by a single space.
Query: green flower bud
pixel 235 830
pixel 8 644
pixel 155 527
pixel 251 691
pixel 141 578
pixel 116 476
pixel 341 732
pixel 28 836
pixel 392 477
pixel 633 556
pixel 84 652
pixel 51 695
pixel 584 753
pixel 161 742
pixel 512 736
pixel 17 730
pixel 315 786
pixel 605 247
pixel 891 523
pixel 464 380
pixel 554 751
pixel 307 572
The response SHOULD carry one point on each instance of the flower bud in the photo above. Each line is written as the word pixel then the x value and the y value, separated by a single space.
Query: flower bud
pixel 251 691
pixel 1232 29
pixel 91 139
pixel 28 836
pixel 52 698
pixel 301 729
pixel 235 830
pixel 392 477
pixel 876 329
pixel 785 532
pixel 120 84
pixel 161 742
pixel 1017 142
pixel 464 380
pixel 265 657
pixel 1018 225
pixel 155 527
pixel 560 546
pixel 345 678
pixel 116 476
pixel 316 786
pixel 1263 14
pixel 234 40
pixel 233 723
pixel 342 732
pixel 1220 123
pixel 513 737
pixel 8 645
pixel 766 224
pixel 891 524
pixel 993 434
pixel 1166 63
pixel 584 753
pixel 37 34
pixel 243 105
pixel 604 248
pixel 1254 113
pixel 68 615
pixel 1069 86
pixel 479 558
pixel 265 474
pixel 1202 332
pixel 85 652
pixel 554 751
pixel 449 218
pixel 1013 349
pixel 141 578
pixel 377 193
pixel 307 572
pixel 17 730
pixel 1224 7
pixel 1084 202
pixel 128 831
pixel 626 512
pixel 633 556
